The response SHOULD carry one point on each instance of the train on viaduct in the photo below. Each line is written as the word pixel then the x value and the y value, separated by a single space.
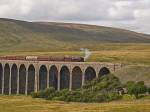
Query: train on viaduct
pixel 25 75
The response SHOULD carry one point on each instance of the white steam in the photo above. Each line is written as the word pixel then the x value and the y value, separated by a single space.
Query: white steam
pixel 87 53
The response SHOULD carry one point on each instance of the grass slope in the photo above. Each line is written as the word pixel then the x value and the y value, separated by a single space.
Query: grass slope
pixel 134 73
pixel 18 35
pixel 27 104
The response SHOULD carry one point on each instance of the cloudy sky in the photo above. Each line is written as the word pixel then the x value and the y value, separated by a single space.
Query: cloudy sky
pixel 130 14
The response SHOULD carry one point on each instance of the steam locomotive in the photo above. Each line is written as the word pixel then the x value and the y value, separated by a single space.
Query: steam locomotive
pixel 44 58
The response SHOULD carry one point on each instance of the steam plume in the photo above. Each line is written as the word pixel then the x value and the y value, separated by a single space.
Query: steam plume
pixel 87 53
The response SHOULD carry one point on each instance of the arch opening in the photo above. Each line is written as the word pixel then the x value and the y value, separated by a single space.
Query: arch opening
pixel 53 77
pixel 42 77
pixel 104 71
pixel 22 79
pixel 64 77
pixel 1 74
pixel 6 78
pixel 31 79
pixel 14 72
pixel 76 78
pixel 90 74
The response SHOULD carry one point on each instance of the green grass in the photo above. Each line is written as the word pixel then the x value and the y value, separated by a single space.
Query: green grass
pixel 27 104
pixel 30 36
pixel 120 56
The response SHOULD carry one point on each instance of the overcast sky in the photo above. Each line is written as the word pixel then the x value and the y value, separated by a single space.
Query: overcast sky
pixel 130 14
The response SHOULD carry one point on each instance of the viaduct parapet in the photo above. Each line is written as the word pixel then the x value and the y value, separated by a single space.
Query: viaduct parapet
pixel 24 77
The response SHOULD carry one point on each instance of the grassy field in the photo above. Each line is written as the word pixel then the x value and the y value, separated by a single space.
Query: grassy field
pixel 130 54
pixel 27 104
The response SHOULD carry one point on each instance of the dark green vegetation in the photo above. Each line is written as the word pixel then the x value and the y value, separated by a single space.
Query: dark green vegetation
pixel 104 89
pixel 136 88
pixel 99 90
pixel 34 36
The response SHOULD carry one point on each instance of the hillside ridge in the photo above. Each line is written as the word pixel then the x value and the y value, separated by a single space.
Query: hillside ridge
pixel 20 35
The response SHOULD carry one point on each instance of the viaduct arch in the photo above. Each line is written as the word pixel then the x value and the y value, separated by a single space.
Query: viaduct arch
pixel 43 77
pixel 6 78
pixel 31 79
pixel 24 77
pixel 76 77
pixel 90 74
pixel 53 77
pixel 14 73
pixel 64 77
pixel 1 72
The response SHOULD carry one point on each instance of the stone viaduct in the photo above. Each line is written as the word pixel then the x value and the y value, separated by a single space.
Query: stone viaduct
pixel 24 77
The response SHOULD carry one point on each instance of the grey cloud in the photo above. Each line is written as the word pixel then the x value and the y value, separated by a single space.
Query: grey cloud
pixel 117 13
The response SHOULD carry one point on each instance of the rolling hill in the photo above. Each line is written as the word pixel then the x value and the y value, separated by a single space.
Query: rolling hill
pixel 16 35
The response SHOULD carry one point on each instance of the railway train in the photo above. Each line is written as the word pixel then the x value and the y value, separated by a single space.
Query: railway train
pixel 44 58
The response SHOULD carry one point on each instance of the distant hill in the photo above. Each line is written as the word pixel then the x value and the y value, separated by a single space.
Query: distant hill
pixel 18 35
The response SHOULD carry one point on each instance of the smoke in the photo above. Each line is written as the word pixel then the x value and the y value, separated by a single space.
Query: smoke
pixel 87 53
